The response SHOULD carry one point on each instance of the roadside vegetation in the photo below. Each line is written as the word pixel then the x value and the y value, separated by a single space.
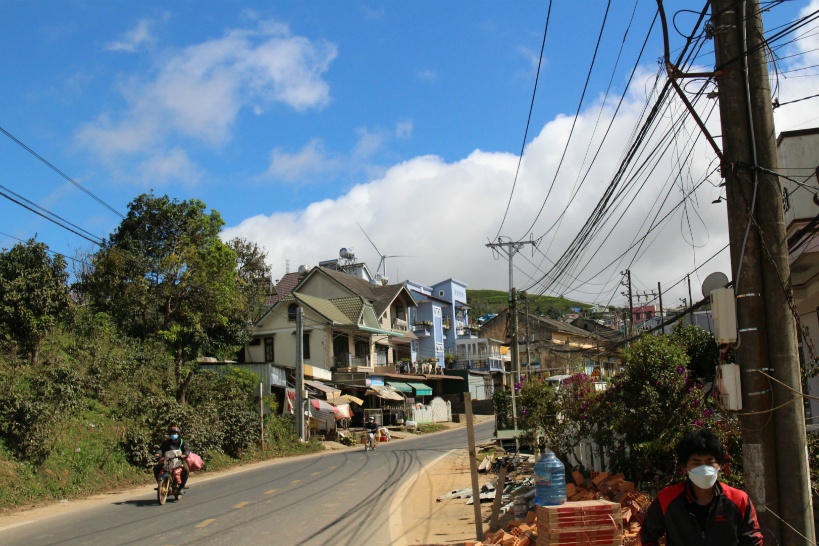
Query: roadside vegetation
pixel 638 419
pixel 95 364
pixel 427 428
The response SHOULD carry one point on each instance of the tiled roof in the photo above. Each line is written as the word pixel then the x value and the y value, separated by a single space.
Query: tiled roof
pixel 353 284
pixel 286 284
pixel 324 307
pixel 351 307
pixel 385 296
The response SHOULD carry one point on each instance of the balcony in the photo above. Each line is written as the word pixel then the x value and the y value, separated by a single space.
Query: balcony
pixel 399 325
pixel 422 329
pixel 478 364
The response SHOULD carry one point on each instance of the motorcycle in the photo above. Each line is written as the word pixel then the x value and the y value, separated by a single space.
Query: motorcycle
pixel 369 444
pixel 170 478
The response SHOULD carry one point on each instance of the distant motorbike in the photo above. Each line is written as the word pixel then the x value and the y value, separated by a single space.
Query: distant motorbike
pixel 369 443
pixel 170 478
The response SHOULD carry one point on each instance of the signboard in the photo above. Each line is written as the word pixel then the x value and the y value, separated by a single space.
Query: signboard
pixel 376 381
pixel 596 373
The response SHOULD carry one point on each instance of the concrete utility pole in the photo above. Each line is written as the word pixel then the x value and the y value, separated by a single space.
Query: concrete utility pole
pixel 510 248
pixel 774 443
pixel 299 409
pixel 660 296
pixel 630 331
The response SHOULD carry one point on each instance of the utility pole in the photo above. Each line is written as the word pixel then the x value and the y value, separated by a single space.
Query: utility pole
pixel 299 409
pixel 690 302
pixel 660 296
pixel 510 248
pixel 774 440
pixel 627 274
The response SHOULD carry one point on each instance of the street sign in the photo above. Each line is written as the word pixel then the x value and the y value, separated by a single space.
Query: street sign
pixel 596 373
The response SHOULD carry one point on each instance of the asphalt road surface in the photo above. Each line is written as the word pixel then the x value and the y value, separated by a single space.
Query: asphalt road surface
pixel 333 498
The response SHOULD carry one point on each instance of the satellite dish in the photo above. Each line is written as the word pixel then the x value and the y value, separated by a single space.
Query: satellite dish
pixel 712 282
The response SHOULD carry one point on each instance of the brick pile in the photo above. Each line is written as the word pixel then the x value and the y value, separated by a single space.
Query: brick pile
pixel 601 510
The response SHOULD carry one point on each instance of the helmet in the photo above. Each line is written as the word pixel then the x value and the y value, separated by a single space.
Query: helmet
pixel 172 429
pixel 372 418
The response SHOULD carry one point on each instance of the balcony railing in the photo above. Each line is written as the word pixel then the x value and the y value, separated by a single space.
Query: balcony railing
pixel 346 360
pixel 478 364
pixel 421 330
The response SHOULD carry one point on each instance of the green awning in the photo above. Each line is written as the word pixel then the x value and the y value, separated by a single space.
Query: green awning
pixel 397 385
pixel 420 389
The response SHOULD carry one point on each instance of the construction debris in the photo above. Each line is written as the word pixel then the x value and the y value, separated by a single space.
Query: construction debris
pixel 601 509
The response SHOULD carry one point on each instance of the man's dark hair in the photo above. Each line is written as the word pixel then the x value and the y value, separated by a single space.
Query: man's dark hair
pixel 699 441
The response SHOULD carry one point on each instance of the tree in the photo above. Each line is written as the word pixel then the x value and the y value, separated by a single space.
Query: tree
pixel 648 407
pixel 34 294
pixel 254 276
pixel 166 274
pixel 701 348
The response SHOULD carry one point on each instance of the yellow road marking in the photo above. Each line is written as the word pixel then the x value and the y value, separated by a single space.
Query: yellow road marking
pixel 270 492
pixel 241 505
pixel 295 481
pixel 205 523
pixel 315 473
pixel 333 467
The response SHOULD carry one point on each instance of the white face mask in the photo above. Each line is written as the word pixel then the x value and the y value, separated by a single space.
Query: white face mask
pixel 704 476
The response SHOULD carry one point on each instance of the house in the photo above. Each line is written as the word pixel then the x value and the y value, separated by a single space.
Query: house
pixel 548 345
pixel 348 322
pixel 798 153
pixel 440 320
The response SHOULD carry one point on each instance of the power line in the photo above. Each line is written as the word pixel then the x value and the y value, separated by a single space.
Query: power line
pixel 61 173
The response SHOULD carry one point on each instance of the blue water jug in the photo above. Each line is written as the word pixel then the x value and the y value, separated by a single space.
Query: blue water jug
pixel 550 480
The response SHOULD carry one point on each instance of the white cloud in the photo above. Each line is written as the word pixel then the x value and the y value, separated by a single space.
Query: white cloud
pixel 170 166
pixel 302 165
pixel 134 38
pixel 198 92
pixel 443 214
pixel 403 129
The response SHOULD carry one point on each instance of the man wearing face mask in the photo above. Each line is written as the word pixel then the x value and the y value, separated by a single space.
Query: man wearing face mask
pixel 174 441
pixel 701 510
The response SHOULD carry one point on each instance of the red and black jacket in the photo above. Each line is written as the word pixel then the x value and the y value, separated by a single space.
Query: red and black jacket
pixel 731 519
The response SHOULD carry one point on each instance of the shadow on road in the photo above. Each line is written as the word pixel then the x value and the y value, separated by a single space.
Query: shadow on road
pixel 139 503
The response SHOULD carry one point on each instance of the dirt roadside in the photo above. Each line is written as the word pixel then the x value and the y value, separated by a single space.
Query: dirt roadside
pixel 418 519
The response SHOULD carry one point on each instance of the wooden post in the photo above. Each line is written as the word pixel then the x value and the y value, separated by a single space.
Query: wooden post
pixel 499 487
pixel 473 467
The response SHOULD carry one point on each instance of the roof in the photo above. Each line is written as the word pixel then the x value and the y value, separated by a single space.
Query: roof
pixel 286 284
pixel 381 296
pixel 326 308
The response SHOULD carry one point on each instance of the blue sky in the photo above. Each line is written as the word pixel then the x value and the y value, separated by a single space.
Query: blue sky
pixel 300 121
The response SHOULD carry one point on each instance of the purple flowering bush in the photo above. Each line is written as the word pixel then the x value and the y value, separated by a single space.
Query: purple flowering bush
pixel 636 422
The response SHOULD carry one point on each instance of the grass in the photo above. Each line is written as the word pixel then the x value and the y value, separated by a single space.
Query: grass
pixel 86 459
pixel 426 428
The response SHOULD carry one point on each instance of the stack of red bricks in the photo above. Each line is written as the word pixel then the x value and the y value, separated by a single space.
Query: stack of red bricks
pixel 580 523
pixel 601 510
pixel 614 488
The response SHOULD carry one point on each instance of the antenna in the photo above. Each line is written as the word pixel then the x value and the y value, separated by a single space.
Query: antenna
pixel 382 264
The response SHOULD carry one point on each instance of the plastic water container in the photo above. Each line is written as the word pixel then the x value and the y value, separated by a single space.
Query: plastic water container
pixel 550 480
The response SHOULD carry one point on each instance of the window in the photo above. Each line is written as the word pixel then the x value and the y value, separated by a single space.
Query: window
pixel 305 350
pixel 291 312
pixel 268 349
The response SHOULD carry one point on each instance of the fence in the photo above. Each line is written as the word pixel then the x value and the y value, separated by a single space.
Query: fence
pixel 438 411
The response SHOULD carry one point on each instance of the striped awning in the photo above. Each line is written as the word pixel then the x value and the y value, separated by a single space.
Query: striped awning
pixel 421 389
pixel 399 386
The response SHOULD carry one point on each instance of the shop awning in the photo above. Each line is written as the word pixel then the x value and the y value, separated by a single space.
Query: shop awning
pixel 421 389
pixel 399 386
pixel 326 389
pixel 385 392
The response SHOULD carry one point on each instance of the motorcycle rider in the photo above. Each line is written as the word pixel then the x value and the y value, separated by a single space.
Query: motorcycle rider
pixel 174 441
pixel 372 427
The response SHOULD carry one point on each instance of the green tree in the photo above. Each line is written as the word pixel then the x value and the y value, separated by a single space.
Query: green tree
pixel 701 348
pixel 254 276
pixel 165 274
pixel 34 295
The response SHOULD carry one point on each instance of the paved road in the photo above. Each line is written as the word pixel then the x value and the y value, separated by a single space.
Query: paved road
pixel 339 498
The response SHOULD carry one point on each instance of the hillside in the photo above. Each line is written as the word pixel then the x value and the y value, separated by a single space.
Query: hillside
pixel 494 301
